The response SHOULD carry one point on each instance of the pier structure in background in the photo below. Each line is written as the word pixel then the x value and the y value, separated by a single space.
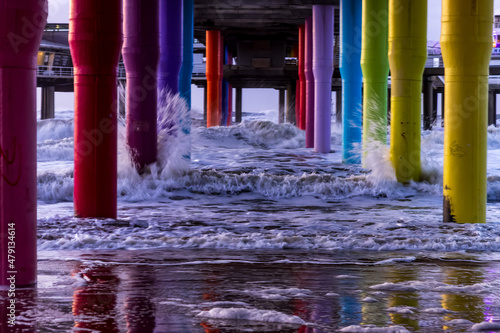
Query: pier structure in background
pixel 225 91
pixel 407 57
pixel 171 47
pixel 466 47
pixel 18 198
pixel 323 72
pixel 309 79
pixel 141 53
pixel 375 67
pixel 352 80
pixel 214 77
pixel 95 39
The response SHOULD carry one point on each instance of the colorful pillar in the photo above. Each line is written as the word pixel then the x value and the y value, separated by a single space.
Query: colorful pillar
pixel 95 39
pixel 308 73
pixel 302 79
pixel 466 47
pixel 229 93
pixel 375 67
pixel 225 92
pixel 187 52
pixel 140 55
pixel 20 35
pixel 352 79
pixel 214 77
pixel 171 37
pixel 323 71
pixel 407 57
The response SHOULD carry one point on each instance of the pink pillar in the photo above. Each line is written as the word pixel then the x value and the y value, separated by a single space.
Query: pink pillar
pixel 308 71
pixel 301 92
pixel 21 28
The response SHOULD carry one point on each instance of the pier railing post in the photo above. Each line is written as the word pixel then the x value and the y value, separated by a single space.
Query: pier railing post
pixel 466 47
pixel 95 39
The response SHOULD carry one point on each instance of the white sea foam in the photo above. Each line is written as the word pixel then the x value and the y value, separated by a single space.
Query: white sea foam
pixel 373 329
pixel 252 315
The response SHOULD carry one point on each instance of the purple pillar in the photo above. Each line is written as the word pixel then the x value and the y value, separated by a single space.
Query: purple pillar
pixel 141 55
pixel 308 70
pixel 171 35
pixel 323 71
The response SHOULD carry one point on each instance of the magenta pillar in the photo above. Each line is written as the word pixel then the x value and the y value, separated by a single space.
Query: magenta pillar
pixel 309 78
pixel 171 36
pixel 141 52
pixel 21 29
pixel 323 71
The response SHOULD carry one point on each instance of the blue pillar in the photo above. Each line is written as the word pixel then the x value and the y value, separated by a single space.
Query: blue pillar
pixel 187 54
pixel 171 17
pixel 352 78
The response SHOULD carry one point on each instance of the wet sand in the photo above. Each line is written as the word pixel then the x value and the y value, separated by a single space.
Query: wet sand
pixel 258 291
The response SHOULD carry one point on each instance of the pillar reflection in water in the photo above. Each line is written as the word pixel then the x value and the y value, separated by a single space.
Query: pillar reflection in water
pixel 404 299
pixel 140 312
pixel 463 305
pixel 94 304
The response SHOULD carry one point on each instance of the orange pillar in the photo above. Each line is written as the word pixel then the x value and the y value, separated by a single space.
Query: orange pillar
pixel 214 77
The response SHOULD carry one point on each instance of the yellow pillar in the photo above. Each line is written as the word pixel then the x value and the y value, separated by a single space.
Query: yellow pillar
pixel 466 47
pixel 407 57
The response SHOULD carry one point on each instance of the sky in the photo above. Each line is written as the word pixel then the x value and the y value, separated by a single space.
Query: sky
pixel 262 99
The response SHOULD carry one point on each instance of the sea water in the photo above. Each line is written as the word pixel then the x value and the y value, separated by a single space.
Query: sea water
pixel 257 234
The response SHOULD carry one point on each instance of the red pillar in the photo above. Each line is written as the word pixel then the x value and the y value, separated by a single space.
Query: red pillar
pixel 214 77
pixel 141 55
pixel 95 38
pixel 301 92
pixel 21 29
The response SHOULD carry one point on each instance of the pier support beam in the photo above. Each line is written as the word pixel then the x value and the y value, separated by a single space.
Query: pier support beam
pixel 323 71
pixel 141 53
pixel 407 56
pixel 48 102
pixel 214 77
pixel 352 79
pixel 309 75
pixel 466 47
pixel 290 102
pixel 375 66
pixel 338 106
pixel 238 105
pixel 301 124
pixel 428 91
pixel 95 39
pixel 492 107
pixel 18 137
pixel 171 54
pixel 281 112
pixel 186 72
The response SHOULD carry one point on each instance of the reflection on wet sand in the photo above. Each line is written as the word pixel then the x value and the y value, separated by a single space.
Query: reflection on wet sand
pixel 94 303
pixel 463 305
